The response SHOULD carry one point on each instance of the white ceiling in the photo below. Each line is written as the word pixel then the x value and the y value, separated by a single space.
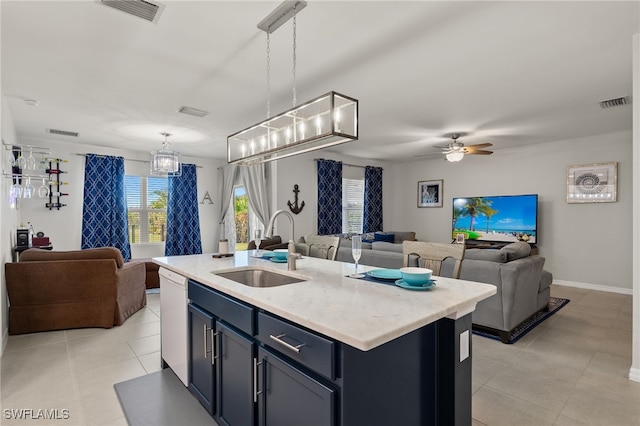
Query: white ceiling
pixel 509 73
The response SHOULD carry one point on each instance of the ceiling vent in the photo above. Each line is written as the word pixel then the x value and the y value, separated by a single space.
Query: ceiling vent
pixel 192 111
pixel 142 9
pixel 610 103
pixel 62 132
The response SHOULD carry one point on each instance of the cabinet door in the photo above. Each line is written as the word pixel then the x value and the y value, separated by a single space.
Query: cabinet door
pixel 235 358
pixel 201 370
pixel 288 396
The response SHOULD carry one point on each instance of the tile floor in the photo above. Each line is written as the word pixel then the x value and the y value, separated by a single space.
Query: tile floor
pixel 570 370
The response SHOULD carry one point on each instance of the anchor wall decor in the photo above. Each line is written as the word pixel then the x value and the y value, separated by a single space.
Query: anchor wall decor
pixel 294 207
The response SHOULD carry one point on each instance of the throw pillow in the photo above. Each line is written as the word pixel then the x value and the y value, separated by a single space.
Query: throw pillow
pixel 379 236
pixel 368 237
pixel 516 250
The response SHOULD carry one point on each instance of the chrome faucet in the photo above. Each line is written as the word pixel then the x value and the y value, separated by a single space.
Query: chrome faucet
pixel 269 232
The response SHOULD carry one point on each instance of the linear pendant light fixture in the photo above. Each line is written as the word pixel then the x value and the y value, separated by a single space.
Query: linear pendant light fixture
pixel 327 120
pixel 165 161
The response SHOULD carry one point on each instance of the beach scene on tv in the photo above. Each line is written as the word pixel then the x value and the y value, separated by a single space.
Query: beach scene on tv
pixel 496 219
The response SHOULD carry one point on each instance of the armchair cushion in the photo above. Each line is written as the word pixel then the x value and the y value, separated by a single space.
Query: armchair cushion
pixel 35 254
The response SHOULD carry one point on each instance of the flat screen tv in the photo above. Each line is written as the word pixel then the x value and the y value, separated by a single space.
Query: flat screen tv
pixel 498 219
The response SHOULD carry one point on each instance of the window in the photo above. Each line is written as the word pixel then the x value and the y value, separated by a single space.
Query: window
pixel 241 217
pixel 352 205
pixel 147 208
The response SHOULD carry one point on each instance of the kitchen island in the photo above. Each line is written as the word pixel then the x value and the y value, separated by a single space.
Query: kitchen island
pixel 374 353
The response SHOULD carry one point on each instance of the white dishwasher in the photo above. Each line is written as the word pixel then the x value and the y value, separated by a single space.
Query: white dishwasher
pixel 174 322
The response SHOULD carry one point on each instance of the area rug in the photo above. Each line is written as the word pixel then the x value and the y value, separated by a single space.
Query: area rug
pixel 160 399
pixel 555 304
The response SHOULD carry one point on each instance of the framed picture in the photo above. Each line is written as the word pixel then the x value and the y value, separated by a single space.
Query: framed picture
pixel 430 193
pixel 460 238
pixel 592 183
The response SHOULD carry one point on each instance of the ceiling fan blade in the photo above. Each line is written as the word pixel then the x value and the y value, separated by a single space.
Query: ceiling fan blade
pixel 480 145
pixel 442 147
pixel 478 152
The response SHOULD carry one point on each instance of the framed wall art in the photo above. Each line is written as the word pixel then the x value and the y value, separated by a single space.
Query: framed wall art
pixel 592 183
pixel 430 193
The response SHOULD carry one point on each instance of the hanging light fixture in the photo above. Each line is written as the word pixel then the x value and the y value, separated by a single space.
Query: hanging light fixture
pixel 327 120
pixel 166 161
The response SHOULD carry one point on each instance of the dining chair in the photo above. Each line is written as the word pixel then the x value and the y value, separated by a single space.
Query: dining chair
pixel 322 246
pixel 431 255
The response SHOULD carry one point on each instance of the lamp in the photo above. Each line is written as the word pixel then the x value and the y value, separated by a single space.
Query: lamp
pixel 327 120
pixel 166 161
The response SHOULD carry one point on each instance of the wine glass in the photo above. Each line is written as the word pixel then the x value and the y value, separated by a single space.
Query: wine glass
pixel 29 190
pixel 21 162
pixel 16 189
pixel 356 252
pixel 31 161
pixel 43 190
pixel 258 239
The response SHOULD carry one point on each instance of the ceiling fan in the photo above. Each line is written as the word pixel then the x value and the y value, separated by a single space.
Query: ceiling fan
pixel 455 150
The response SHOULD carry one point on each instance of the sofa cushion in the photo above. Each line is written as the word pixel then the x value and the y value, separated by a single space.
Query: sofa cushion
pixel 380 236
pixel 35 254
pixel 516 250
pixel 385 246
pixel 491 255
pixel 399 237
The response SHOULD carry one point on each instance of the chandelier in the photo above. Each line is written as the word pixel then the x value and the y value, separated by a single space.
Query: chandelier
pixel 327 120
pixel 166 161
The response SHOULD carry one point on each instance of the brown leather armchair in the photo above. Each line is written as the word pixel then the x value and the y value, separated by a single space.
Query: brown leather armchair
pixel 56 290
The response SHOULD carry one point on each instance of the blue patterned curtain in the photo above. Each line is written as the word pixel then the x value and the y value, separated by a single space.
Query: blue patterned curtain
pixel 372 221
pixel 329 197
pixel 183 220
pixel 104 209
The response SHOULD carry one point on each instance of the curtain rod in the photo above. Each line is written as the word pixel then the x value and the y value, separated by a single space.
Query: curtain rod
pixel 346 164
pixel 126 159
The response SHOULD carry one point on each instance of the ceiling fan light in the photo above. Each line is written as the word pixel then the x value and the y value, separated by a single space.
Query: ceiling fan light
pixel 455 156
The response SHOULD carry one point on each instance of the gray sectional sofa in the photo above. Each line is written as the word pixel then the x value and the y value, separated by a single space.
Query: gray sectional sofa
pixel 522 283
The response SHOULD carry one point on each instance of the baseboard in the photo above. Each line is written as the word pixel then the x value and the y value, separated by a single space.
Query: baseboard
pixel 596 287
pixel 634 374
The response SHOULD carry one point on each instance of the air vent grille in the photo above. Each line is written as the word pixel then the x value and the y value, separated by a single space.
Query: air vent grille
pixel 610 103
pixel 62 132
pixel 192 111
pixel 140 8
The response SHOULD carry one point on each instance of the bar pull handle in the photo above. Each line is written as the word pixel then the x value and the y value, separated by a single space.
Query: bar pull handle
pixel 213 347
pixel 256 392
pixel 289 346
pixel 204 339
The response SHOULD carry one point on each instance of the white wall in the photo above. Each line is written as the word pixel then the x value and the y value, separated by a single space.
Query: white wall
pixel 301 170
pixel 8 217
pixel 64 226
pixel 582 243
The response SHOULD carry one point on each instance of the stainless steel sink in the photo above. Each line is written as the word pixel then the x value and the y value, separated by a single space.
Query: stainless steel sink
pixel 259 278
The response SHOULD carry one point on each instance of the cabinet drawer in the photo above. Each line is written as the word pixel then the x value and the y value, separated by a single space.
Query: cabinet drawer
pixel 309 349
pixel 231 311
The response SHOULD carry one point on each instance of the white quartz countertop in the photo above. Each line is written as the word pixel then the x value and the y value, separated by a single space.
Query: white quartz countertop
pixel 357 312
